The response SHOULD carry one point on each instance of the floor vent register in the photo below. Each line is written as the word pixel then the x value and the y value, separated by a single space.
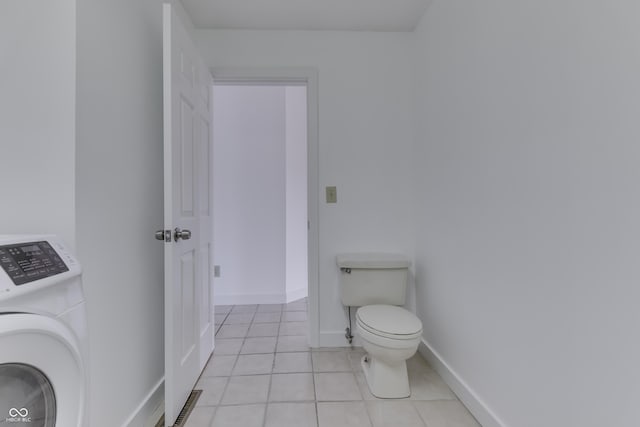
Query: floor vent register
pixel 186 410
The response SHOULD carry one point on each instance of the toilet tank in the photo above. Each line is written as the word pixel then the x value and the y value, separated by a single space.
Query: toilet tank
pixel 373 278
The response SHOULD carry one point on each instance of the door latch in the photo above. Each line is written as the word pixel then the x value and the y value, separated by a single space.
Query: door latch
pixel 163 235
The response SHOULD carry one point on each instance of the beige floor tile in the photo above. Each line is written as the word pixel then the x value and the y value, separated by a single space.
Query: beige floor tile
pixel 343 414
pixel 219 366
pixel 269 308
pixel 292 343
pixel 239 319
pixel 294 328
pixel 336 386
pixel 244 308
pixel 296 306
pixel 427 385
pixel 418 363
pixel 200 416
pixel 330 361
pixel 232 331
pixel 445 413
pixel 291 415
pixel 239 416
pixel 246 389
pixel 292 362
pixel 364 388
pixel 355 358
pixel 257 345
pixel 267 317
pixel 228 346
pixel 222 309
pixel 219 318
pixel 212 389
pixel 291 387
pixel 253 364
pixel 294 316
pixel 263 330
pixel 393 413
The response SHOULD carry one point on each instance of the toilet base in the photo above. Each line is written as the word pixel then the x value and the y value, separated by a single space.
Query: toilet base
pixel 386 381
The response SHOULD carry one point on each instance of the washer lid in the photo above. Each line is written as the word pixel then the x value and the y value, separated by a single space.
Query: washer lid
pixel 389 321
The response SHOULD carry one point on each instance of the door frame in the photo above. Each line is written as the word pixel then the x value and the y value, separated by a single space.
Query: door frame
pixel 294 76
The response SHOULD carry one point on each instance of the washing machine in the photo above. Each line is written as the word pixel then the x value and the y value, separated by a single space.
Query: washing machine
pixel 43 334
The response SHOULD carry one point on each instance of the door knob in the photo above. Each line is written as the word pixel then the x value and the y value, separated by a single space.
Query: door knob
pixel 181 234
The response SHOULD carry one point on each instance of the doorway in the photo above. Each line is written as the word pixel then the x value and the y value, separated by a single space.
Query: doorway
pixel 265 188
pixel 260 193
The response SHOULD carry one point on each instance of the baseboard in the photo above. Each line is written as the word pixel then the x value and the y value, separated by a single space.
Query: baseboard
pixel 150 409
pixel 239 299
pixel 337 339
pixel 467 396
pixel 296 294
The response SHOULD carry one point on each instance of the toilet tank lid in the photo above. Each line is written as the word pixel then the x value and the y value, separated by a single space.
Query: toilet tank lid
pixel 372 260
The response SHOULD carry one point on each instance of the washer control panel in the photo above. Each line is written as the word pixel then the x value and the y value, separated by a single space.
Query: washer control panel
pixel 30 261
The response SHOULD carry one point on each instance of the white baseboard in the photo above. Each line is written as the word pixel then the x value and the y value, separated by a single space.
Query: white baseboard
pixel 296 294
pixel 467 396
pixel 239 299
pixel 150 409
pixel 337 339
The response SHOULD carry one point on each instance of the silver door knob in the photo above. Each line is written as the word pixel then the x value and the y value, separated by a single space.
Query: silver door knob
pixel 181 234
pixel 162 235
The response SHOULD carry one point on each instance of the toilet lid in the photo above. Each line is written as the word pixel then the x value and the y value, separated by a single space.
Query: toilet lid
pixel 389 321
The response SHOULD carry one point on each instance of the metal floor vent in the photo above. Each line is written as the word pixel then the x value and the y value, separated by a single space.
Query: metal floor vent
pixel 186 410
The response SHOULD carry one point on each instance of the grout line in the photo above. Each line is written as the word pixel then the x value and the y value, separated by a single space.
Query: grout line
pixel 315 394
pixel 226 386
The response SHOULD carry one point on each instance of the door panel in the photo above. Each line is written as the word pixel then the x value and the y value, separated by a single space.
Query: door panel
pixel 204 158
pixel 186 157
pixel 187 303
pixel 205 291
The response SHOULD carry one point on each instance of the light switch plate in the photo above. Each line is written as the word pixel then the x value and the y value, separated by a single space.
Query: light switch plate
pixel 332 195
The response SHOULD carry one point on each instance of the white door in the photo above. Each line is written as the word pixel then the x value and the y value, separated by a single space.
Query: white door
pixel 188 307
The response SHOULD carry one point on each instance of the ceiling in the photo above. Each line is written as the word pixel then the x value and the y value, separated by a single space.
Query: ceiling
pixel 337 15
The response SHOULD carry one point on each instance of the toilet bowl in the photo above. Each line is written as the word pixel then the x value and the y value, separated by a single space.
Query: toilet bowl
pixel 390 335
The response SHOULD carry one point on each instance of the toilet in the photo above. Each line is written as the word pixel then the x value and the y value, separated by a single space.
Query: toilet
pixel 390 334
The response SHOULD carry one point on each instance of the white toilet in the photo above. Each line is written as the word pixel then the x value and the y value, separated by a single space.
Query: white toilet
pixel 390 334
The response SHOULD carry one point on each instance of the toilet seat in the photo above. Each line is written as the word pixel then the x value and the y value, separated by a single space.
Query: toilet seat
pixel 389 322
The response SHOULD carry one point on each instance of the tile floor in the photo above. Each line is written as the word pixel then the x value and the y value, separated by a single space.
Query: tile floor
pixel 263 374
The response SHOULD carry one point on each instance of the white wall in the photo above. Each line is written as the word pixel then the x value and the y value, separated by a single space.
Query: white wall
pixel 37 117
pixel 527 174
pixel 120 204
pixel 365 121
pixel 296 272
pixel 249 194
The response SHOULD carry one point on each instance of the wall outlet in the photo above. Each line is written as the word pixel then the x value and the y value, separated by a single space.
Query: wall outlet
pixel 216 271
pixel 332 195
